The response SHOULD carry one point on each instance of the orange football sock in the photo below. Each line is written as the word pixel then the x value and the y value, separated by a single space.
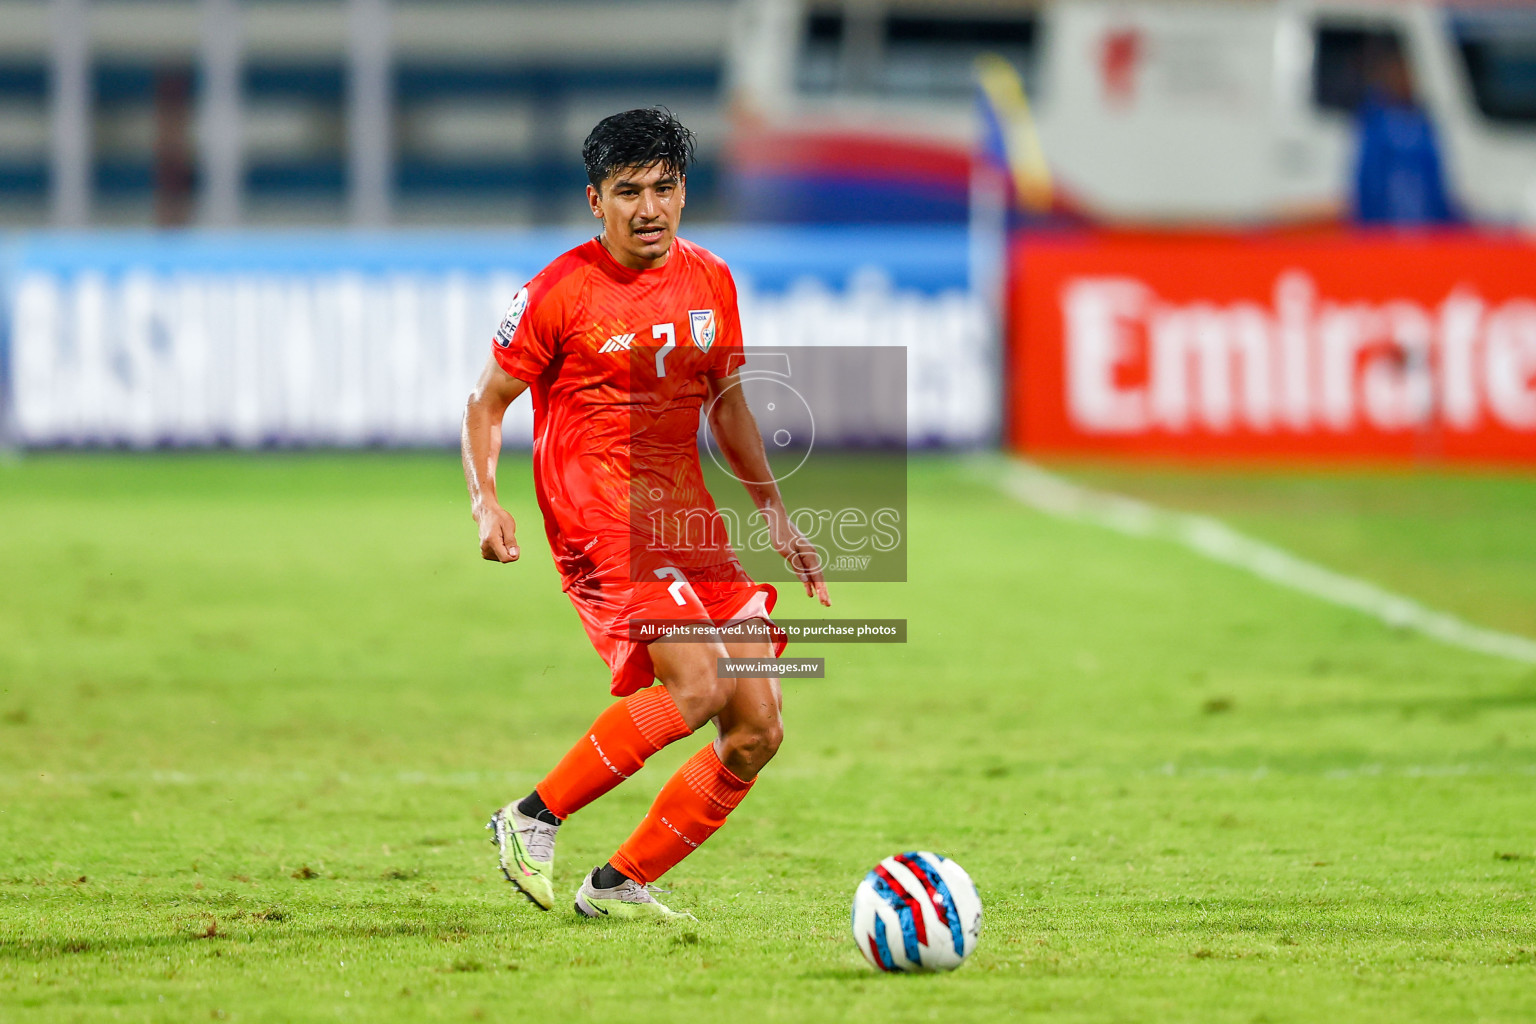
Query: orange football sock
pixel 688 810
pixel 618 743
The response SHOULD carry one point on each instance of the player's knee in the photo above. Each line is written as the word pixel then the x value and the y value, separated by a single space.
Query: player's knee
pixel 751 746
pixel 715 693
pixel 772 736
pixel 700 695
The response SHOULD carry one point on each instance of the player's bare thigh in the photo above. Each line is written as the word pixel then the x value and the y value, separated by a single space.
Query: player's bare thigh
pixel 689 668
pixel 746 711
pixel 751 724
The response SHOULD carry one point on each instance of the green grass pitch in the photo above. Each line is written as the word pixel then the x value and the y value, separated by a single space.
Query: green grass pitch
pixel 255 710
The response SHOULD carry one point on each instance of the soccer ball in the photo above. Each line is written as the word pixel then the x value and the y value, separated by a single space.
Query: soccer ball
pixel 916 912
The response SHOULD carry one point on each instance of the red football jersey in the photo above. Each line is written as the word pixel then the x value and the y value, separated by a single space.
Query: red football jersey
pixel 616 359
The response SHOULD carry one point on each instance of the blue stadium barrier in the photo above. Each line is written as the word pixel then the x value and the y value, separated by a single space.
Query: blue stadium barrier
pixel 350 338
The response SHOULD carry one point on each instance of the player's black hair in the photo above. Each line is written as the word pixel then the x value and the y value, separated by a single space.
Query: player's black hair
pixel 637 138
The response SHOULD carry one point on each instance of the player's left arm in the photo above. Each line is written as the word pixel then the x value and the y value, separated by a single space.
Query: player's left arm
pixel 735 430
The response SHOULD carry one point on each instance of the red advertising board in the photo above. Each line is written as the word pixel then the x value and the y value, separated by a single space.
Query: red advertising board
pixel 1337 347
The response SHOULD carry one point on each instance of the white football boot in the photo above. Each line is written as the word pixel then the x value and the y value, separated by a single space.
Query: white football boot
pixel 527 853
pixel 629 899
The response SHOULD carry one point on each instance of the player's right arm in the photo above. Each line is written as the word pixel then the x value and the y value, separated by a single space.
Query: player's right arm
pixel 480 445
pixel 525 343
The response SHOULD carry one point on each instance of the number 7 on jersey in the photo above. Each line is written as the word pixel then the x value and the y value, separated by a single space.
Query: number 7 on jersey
pixel 668 332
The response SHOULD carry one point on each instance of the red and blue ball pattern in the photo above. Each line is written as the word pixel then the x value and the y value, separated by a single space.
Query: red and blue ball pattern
pixel 916 912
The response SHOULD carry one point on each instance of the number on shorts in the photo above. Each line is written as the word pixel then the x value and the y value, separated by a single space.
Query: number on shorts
pixel 680 581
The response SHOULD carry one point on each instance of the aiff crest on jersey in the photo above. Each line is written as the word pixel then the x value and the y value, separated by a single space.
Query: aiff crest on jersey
pixel 701 324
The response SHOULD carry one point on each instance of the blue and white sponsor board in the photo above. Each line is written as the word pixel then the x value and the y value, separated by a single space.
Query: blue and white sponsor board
pixel 303 338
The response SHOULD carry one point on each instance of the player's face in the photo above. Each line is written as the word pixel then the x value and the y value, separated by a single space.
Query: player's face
pixel 639 208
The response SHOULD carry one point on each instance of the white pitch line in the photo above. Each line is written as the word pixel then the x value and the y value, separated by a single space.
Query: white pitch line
pixel 1046 492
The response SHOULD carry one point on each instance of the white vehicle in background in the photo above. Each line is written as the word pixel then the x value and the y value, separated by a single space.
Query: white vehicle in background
pixel 1148 111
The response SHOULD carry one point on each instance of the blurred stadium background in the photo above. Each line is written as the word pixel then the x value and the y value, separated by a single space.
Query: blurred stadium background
pixel 1204 229
pixel 1270 261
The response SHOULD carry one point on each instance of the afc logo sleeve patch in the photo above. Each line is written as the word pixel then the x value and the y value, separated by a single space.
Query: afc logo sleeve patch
pixel 514 317
pixel 701 324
